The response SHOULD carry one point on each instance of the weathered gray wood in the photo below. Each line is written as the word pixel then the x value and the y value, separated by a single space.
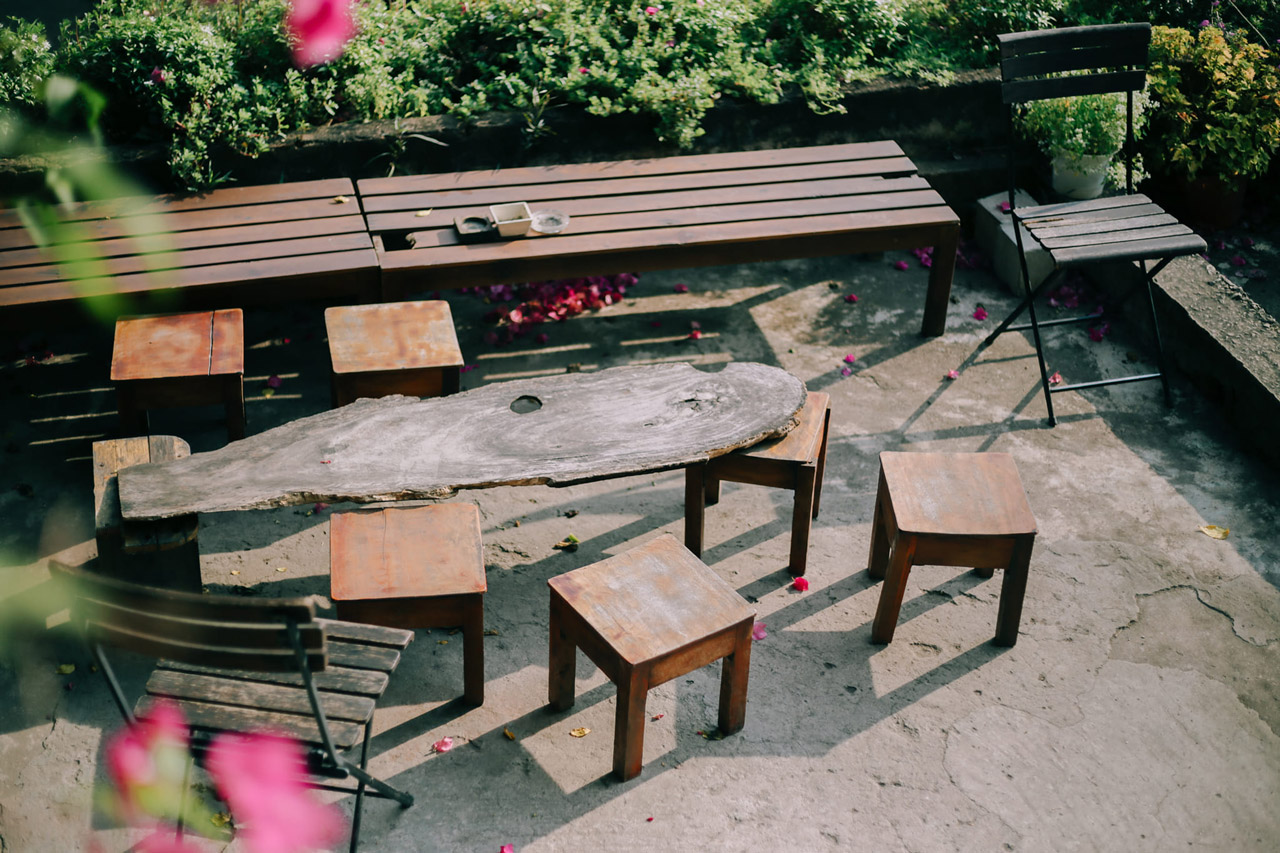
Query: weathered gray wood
pixel 202 715
pixel 334 679
pixel 584 426
pixel 255 694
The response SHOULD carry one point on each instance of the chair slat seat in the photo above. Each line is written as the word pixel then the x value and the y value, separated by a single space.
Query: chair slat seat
pixel 236 692
pixel 211 718
pixel 358 656
pixel 335 679
pixel 373 635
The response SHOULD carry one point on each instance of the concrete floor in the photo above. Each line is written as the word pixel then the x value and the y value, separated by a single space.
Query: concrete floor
pixel 1138 711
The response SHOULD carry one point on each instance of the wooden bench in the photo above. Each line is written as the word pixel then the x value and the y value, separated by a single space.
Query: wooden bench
pixel 666 213
pixel 224 248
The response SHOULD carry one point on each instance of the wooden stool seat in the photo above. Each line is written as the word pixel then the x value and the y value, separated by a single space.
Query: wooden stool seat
pixel 950 509
pixel 167 360
pixel 414 567
pixel 645 617
pixel 164 552
pixel 406 348
pixel 795 461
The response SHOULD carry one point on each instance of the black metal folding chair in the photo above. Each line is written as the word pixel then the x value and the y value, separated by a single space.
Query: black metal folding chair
pixel 1065 63
pixel 231 664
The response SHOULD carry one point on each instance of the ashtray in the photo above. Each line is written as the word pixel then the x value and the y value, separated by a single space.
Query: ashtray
pixel 549 221
pixel 474 229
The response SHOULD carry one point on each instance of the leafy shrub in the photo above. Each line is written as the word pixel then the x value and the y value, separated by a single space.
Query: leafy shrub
pixel 25 61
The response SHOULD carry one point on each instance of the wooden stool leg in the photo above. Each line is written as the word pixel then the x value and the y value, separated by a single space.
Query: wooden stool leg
pixel 233 397
pixel 450 381
pixel 895 584
pixel 802 518
pixel 133 418
pixel 984 573
pixel 563 660
pixel 712 491
pixel 878 559
pixel 733 684
pixel 694 508
pixel 1012 591
pixel 822 463
pixel 628 737
pixel 473 650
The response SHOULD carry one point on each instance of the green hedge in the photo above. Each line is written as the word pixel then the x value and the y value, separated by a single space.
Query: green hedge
pixel 209 80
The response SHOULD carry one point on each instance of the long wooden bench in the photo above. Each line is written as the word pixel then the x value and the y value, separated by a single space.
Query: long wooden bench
pixel 225 248
pixel 666 213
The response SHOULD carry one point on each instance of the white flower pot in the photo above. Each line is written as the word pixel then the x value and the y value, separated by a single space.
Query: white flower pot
pixel 1082 177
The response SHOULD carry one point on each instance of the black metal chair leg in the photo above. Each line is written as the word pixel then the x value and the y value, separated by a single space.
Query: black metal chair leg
pixel 364 765
pixel 1155 330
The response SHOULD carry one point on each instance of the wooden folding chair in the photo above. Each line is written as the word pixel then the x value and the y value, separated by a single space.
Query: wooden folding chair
pixel 1070 62
pixel 234 664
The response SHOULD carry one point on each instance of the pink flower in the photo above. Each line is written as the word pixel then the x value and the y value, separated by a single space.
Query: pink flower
pixel 850 358
pixel 158 76
pixel 800 585
pixel 260 777
pixel 1056 378
pixel 845 371
pixel 758 632
pixel 319 29
pixel 695 335
pixel 139 759
pixel 320 507
pixel 1005 207
pixel 1096 335
pixel 583 71
pixel 694 324
pixel 651 10
pixel 382 41
pixel 670 44
pixel 443 745
pixel 273 381
pixel 1237 261
pixel 851 298
pixel 507 848
pixel 467 368
pixel 979 313
pixel 953 374
pixel 542 338
pixel 681 288
pixel 901 265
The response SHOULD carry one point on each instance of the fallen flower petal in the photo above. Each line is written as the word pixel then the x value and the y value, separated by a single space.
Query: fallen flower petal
pixel 979 313
pixel 758 632
pixel 1237 261
pixel 657 717
pixel 1005 207
pixel 694 324
pixel 681 288
pixel 695 335
pixel 852 297
pixel 800 584
pixel 901 265
pixel 443 745
pixel 507 848
pixel 1213 531
pixel 319 507
pixel 467 368
pixel 844 371
pixel 953 374
pixel 850 358
pixel 1055 378
pixel 274 381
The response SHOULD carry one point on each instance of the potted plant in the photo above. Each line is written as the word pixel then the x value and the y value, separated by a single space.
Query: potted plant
pixel 1081 135
pixel 1215 121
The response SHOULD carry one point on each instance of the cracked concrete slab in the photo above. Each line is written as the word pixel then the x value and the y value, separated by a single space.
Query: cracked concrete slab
pixel 1136 712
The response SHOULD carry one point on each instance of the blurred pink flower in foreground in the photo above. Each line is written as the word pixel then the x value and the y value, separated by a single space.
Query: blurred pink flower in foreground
pixel 146 761
pixel 319 29
pixel 260 777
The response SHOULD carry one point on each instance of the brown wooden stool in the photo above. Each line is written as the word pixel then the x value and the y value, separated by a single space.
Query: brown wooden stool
pixel 393 348
pixel 950 509
pixel 414 567
pixel 167 360
pixel 645 617
pixel 795 461
pixel 164 552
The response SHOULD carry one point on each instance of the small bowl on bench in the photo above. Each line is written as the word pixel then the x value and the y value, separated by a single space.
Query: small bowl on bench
pixel 512 220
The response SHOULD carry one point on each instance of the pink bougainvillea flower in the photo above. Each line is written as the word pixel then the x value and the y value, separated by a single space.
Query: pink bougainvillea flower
pixel 901 265
pixel 260 777
pixel 651 10
pixel 979 313
pixel 681 288
pixel 1055 378
pixel 850 358
pixel 583 71
pixel 158 76
pixel 851 298
pixel 507 848
pixel 1237 261
pixel 1005 207
pixel 467 368
pixel 542 338
pixel 273 381
pixel 146 761
pixel 953 374
pixel 845 371
pixel 800 584
pixel 669 44
pixel 443 745
pixel 1096 335
pixel 319 29
pixel 163 840
pixel 758 632
pixel 320 507
pixel 695 335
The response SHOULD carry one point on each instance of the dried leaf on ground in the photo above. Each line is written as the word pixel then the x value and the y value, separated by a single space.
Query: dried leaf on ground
pixel 580 731
pixel 1213 531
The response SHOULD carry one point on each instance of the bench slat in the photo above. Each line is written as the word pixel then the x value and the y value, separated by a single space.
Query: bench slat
pixel 334 679
pixel 249 694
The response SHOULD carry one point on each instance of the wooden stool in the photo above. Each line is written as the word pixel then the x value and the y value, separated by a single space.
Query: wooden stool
pixel 167 360
pixel 393 348
pixel 414 567
pixel 162 553
pixel 950 509
pixel 645 617
pixel 795 461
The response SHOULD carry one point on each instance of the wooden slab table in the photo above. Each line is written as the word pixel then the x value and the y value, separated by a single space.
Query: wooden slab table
pixel 666 213
pixel 555 430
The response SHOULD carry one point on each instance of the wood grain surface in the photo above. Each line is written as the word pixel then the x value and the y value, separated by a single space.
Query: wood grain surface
pixel 584 426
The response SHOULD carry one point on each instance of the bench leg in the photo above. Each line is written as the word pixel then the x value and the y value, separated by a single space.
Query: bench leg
pixel 473 650
pixel 628 737
pixel 940 276
pixel 802 518
pixel 733 684
pixel 895 584
pixel 563 660
pixel 1012 591
pixel 694 507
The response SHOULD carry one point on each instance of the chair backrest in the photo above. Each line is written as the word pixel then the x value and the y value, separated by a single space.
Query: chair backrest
pixel 1095 60
pixel 207 630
